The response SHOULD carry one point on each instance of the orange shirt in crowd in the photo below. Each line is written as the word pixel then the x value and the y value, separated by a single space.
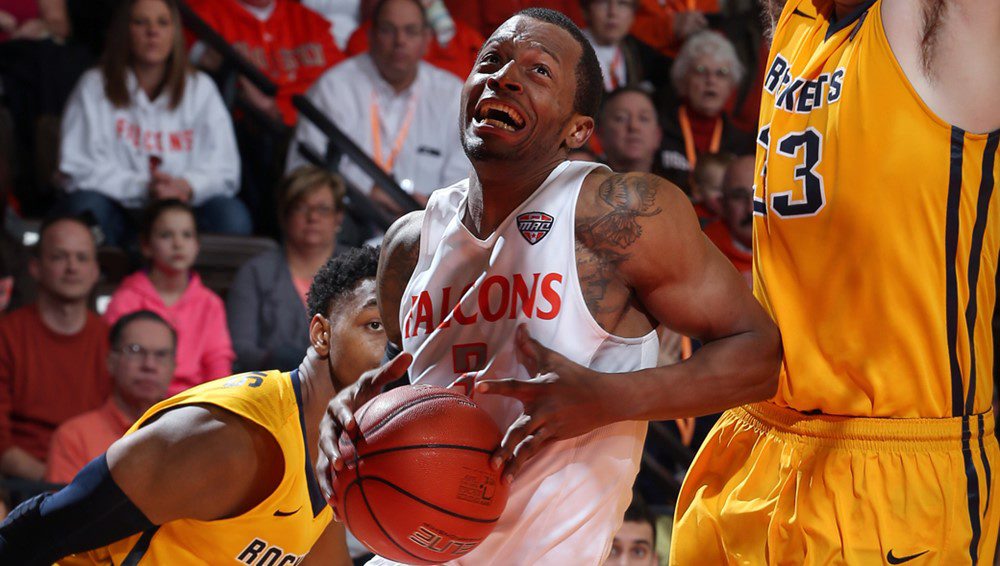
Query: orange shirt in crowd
pixel 47 378
pixel 487 15
pixel 457 57
pixel 654 21
pixel 83 438
pixel 742 260
pixel 293 46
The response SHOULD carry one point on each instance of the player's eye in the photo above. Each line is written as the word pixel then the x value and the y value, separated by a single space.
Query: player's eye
pixel 489 59
pixel 543 70
pixel 375 325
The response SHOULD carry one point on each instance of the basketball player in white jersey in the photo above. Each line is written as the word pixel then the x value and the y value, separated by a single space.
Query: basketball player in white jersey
pixel 539 283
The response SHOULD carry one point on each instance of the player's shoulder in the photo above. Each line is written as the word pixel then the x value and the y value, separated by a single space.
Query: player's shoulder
pixel 402 239
pixel 642 194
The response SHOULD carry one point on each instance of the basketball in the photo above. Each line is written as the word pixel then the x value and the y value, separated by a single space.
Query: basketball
pixel 420 489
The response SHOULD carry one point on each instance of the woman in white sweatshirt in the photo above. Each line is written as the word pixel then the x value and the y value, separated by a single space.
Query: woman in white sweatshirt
pixel 144 125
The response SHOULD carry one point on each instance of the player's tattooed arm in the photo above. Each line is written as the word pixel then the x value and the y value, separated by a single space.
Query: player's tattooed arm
pixel 608 224
pixel 400 251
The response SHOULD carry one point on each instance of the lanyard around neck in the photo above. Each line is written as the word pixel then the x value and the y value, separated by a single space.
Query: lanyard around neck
pixel 397 145
pixel 689 147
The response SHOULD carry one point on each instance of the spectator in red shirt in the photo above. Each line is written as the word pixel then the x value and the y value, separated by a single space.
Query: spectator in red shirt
pixel 141 362
pixel 487 15
pixel 52 353
pixel 665 24
pixel 289 42
pixel 733 232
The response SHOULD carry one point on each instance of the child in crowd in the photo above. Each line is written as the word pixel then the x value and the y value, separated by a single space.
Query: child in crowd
pixel 170 288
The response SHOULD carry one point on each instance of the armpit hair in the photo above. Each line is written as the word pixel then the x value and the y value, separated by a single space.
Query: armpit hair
pixel 933 14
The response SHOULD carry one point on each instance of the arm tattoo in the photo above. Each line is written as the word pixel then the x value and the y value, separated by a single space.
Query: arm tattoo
pixel 629 199
pixel 602 239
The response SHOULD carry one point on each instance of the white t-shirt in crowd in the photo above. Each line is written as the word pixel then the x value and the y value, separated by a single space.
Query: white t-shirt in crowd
pixel 431 154
pixel 343 15
pixel 110 150
pixel 611 59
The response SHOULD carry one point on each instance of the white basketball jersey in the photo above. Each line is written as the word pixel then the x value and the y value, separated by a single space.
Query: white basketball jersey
pixel 459 314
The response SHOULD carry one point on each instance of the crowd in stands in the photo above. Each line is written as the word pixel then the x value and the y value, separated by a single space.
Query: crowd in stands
pixel 148 137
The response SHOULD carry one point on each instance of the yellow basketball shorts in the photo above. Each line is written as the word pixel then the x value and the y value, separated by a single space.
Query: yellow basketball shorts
pixel 774 486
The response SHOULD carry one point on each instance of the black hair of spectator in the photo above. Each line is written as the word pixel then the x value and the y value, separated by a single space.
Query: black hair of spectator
pixel 115 334
pixel 156 209
pixel 638 512
pixel 339 276
pixel 377 11
pixel 624 90
pixel 589 80
pixel 85 219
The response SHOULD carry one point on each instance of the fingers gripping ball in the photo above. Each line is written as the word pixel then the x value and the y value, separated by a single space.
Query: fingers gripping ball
pixel 418 487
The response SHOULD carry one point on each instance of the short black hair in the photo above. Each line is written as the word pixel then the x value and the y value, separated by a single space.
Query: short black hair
pixel 377 11
pixel 85 219
pixel 589 80
pixel 339 276
pixel 118 328
pixel 638 512
pixel 156 209
pixel 624 90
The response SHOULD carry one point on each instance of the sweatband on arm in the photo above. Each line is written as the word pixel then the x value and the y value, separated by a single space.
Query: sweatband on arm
pixel 89 513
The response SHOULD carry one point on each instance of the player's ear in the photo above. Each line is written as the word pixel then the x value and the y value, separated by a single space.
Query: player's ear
pixel 319 335
pixel 580 130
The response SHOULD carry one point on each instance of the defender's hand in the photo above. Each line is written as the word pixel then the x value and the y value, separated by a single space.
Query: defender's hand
pixel 339 415
pixel 563 400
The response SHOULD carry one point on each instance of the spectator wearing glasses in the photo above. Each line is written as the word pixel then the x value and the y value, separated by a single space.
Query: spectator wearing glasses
pixel 399 109
pixel 733 232
pixel 52 352
pixel 705 75
pixel 141 363
pixel 266 303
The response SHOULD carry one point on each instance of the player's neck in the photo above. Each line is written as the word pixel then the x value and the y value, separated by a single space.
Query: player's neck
pixel 317 390
pixel 494 192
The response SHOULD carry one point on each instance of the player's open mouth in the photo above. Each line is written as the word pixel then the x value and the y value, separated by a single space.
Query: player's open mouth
pixel 499 115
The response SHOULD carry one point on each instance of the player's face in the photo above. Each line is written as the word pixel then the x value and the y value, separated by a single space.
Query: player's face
pixel 629 128
pixel 633 546
pixel 709 85
pixel 173 242
pixel 143 364
pixel 518 100
pixel 66 267
pixel 313 221
pixel 357 338
pixel 737 200
pixel 610 20
pixel 399 40
pixel 151 32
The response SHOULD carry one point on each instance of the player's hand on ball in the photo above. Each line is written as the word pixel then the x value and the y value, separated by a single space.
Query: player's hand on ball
pixel 562 400
pixel 339 415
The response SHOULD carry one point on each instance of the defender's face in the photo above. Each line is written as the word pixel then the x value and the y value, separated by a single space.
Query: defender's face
pixel 518 99
pixel 357 337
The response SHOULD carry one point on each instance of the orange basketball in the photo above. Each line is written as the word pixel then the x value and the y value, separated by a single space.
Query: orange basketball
pixel 420 489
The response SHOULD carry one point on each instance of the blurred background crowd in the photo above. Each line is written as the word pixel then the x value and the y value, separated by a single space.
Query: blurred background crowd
pixel 174 173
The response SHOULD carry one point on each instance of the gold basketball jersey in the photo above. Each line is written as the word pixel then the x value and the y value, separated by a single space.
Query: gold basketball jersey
pixel 876 228
pixel 281 529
